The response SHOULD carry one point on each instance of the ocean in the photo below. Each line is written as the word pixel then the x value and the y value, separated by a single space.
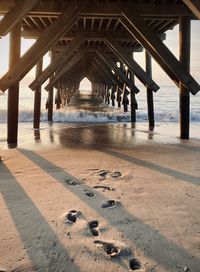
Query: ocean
pixel 85 110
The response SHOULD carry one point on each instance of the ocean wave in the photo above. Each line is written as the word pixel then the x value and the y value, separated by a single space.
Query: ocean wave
pixel 99 117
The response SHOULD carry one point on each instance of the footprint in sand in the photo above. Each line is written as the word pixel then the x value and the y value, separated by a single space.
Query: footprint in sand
pixel 72 216
pixel 72 182
pixel 106 204
pixel 135 264
pixel 111 249
pixel 103 173
pixel 94 227
pixel 116 174
pixel 89 193
pixel 105 188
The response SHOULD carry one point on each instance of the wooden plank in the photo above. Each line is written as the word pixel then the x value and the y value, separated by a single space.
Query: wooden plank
pixel 15 14
pixel 194 6
pixel 144 34
pixel 13 91
pixel 184 34
pixel 77 57
pixel 59 59
pixel 121 35
pixel 106 9
pixel 118 72
pixel 131 63
pixel 51 35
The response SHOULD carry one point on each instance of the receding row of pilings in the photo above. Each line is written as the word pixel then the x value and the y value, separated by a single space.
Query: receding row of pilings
pixel 13 91
pixel 110 94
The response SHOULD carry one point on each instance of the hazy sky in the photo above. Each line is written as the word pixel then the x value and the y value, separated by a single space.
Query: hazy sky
pixel 159 76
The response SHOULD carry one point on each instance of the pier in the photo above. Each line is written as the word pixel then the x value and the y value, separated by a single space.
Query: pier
pixel 89 39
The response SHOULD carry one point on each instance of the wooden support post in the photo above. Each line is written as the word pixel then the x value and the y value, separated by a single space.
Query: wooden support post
pixel 50 104
pixel 37 98
pixel 184 35
pixel 150 105
pixel 133 101
pixel 113 96
pixel 13 91
pixel 118 97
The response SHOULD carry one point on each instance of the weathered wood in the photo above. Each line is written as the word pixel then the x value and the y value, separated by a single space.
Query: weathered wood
pixel 50 36
pixel 144 34
pixel 37 98
pixel 122 35
pixel 13 91
pixel 133 101
pixel 76 58
pixel 132 65
pixel 184 34
pixel 98 9
pixel 15 14
pixel 194 6
pixel 118 72
pixel 150 105
pixel 57 61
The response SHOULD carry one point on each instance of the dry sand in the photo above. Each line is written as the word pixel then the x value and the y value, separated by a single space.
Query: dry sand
pixel 157 214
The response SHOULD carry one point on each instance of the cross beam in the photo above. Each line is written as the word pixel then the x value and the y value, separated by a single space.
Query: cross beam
pixel 144 34
pixel 75 59
pixel 194 6
pixel 131 63
pixel 118 72
pixel 59 59
pixel 13 16
pixel 50 36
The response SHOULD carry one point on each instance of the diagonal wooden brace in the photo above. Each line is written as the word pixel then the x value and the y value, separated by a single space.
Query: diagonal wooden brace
pixel 59 59
pixel 13 16
pixel 45 42
pixel 194 6
pixel 76 58
pixel 130 62
pixel 118 72
pixel 158 50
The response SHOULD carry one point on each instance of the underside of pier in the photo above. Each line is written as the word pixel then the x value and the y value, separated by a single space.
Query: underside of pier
pixel 97 40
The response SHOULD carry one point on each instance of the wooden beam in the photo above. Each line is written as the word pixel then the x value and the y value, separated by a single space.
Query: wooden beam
pixel 13 91
pixel 93 35
pixel 37 98
pixel 194 6
pixel 118 72
pixel 144 34
pixel 77 57
pixel 51 35
pixel 184 35
pixel 131 63
pixel 15 14
pixel 59 59
pixel 105 9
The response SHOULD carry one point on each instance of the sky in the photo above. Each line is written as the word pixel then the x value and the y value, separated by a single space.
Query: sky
pixel 172 42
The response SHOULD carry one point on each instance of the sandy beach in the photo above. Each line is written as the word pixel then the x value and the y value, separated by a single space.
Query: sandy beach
pixel 152 179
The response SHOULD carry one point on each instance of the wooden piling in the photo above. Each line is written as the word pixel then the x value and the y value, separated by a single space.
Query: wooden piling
pixel 37 98
pixel 150 104
pixel 184 54
pixel 133 101
pixel 13 91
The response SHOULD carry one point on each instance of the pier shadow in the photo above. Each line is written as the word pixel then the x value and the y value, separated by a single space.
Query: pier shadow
pixel 42 245
pixel 153 166
pixel 154 245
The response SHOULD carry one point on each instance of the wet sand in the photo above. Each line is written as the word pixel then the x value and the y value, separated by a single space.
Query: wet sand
pixel 53 171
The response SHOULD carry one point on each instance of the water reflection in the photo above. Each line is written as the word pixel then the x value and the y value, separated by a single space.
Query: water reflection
pixel 37 135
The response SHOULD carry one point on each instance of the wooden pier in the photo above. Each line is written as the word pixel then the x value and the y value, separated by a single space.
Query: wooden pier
pixel 88 39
